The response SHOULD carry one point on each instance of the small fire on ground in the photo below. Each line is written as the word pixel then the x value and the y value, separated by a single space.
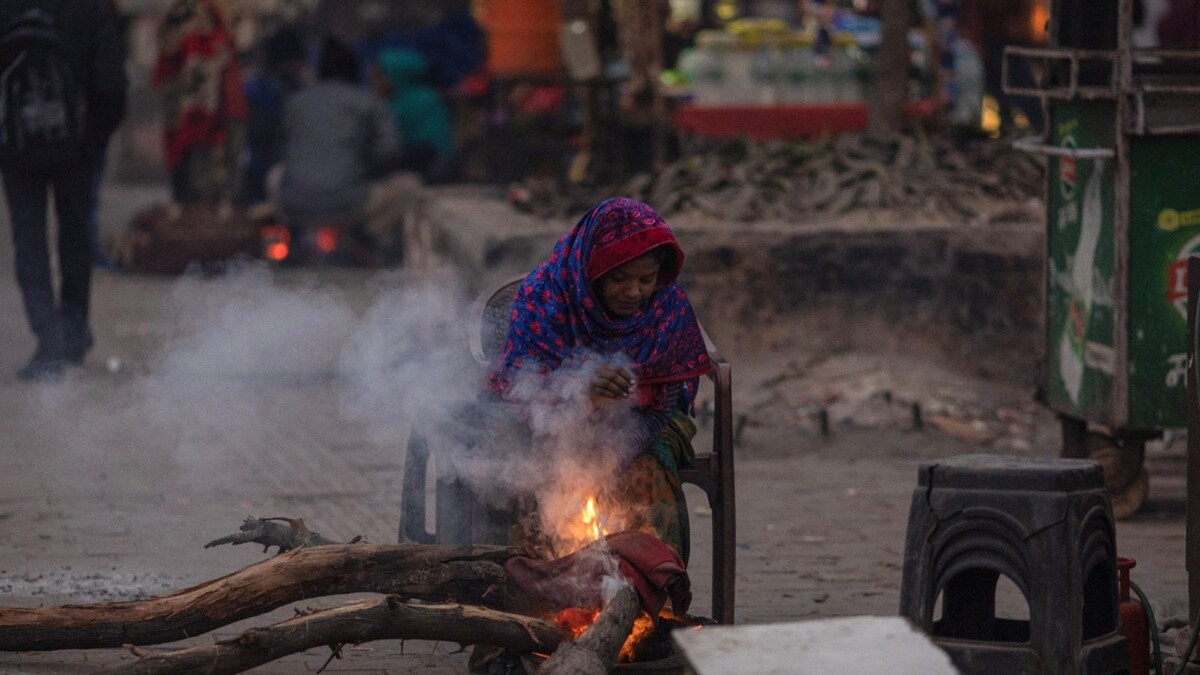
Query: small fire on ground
pixel 649 639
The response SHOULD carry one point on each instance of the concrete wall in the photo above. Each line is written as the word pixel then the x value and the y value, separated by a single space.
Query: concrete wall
pixel 970 297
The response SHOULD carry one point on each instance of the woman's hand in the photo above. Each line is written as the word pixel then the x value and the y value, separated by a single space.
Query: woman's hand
pixel 610 382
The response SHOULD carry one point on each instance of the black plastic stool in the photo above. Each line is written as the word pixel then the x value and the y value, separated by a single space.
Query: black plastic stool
pixel 1047 525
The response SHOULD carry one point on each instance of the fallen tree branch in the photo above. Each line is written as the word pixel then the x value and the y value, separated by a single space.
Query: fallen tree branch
pixel 596 651
pixel 285 533
pixel 470 574
pixel 386 619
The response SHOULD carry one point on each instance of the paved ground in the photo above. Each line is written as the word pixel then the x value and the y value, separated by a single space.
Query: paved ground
pixel 271 393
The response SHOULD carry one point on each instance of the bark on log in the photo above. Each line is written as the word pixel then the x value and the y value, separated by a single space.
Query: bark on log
pixel 471 574
pixel 596 651
pixel 386 619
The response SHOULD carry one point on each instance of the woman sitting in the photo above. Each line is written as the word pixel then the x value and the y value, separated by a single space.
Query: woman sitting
pixel 604 311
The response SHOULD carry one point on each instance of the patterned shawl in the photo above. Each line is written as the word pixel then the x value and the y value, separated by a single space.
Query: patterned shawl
pixel 557 315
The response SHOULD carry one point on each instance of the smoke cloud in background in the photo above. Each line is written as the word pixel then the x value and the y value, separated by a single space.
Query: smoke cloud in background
pixel 230 364
pixel 224 382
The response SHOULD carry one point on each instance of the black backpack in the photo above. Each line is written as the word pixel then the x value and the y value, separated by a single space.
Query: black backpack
pixel 41 109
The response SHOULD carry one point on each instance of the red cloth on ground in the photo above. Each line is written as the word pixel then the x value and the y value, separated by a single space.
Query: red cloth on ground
pixel 652 567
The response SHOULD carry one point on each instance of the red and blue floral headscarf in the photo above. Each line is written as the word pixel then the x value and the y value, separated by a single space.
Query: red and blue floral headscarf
pixel 557 315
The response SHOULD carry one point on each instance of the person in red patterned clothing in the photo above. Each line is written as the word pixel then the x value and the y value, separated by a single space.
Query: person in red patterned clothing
pixel 606 307
pixel 204 100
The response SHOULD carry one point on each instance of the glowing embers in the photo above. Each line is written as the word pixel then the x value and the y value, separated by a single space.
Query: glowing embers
pixel 326 239
pixel 576 620
pixel 276 242
pixel 649 640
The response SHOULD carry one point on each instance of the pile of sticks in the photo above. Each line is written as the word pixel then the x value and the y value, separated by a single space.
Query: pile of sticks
pixel 428 592
pixel 794 181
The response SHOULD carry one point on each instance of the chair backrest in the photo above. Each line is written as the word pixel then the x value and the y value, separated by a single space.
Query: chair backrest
pixel 711 473
pixel 494 309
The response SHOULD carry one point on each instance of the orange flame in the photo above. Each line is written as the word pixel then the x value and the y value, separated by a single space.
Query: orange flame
pixel 591 518
pixel 642 626
pixel 575 621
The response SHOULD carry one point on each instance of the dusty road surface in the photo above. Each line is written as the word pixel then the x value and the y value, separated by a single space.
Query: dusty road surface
pixel 273 393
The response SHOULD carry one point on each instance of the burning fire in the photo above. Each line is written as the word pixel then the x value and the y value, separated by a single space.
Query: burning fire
pixel 647 639
pixel 642 626
pixel 576 620
pixel 591 520
pixel 579 531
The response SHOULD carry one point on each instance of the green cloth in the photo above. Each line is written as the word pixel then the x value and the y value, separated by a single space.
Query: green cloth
pixel 421 116
pixel 673 450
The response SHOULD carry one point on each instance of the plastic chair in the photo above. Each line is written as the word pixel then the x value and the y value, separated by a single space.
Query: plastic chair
pixel 712 473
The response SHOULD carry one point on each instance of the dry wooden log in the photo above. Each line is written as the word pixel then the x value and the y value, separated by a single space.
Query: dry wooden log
pixel 386 619
pixel 471 574
pixel 596 651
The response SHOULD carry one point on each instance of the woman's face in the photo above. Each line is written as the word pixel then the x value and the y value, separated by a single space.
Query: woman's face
pixel 626 287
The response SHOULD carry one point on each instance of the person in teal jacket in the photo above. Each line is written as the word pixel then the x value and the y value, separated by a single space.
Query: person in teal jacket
pixel 422 118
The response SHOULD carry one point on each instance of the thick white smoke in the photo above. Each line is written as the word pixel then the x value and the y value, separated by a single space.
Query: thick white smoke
pixel 248 353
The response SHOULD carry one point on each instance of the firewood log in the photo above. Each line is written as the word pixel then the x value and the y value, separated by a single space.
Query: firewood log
pixel 470 574
pixel 386 619
pixel 596 651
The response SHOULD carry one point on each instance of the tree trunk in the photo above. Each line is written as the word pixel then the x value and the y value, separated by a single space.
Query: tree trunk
pixel 891 70
pixel 596 651
pixel 386 619
pixel 471 574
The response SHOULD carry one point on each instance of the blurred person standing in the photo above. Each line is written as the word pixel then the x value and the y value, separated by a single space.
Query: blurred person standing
pixel 61 97
pixel 204 102
pixel 284 72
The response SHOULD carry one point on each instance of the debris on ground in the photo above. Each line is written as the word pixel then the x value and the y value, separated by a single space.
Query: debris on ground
pixel 934 178
pixel 818 396
pixel 85 585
